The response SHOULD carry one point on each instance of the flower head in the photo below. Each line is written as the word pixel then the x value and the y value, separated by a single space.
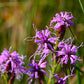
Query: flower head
pixel 37 69
pixel 67 52
pixel 11 62
pixel 62 19
pixel 61 80
pixel 44 40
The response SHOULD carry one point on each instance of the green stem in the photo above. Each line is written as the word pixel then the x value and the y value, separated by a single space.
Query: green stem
pixel 44 81
pixel 77 71
pixel 56 43
pixel 74 36
pixel 68 71
pixel 66 74
pixel 5 78
pixel 51 74
pixel 81 6
pixel 78 75
pixel 54 64
pixel 76 67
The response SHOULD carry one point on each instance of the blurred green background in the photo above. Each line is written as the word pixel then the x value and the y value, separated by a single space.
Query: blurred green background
pixel 17 17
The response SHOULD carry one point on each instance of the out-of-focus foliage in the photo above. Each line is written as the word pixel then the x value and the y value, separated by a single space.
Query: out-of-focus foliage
pixel 17 17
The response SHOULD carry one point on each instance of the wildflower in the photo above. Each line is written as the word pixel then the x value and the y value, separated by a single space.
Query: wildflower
pixel 68 52
pixel 61 80
pixel 11 62
pixel 62 19
pixel 37 69
pixel 61 44
pixel 44 40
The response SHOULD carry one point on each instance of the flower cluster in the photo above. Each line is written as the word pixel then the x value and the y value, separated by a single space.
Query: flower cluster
pixel 62 52
pixel 11 62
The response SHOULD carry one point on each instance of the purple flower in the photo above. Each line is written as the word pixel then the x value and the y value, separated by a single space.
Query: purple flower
pixel 64 18
pixel 61 80
pixel 43 38
pixel 67 52
pixel 61 44
pixel 11 62
pixel 37 69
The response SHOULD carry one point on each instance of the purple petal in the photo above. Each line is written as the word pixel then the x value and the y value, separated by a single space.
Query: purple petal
pixel 38 34
pixel 39 47
pixel 47 32
pixel 57 25
pixel 22 69
pixel 30 65
pixel 52 21
pixel 30 70
pixel 43 71
pixel 32 75
pixel 36 75
pixel 66 59
pixel 72 61
pixel 75 57
pixel 66 77
pixel 70 22
pixel 52 40
pixel 56 76
pixel 60 53
pixel 46 50
pixel 42 59
pixel 14 54
pixel 62 14
pixel 43 32
pixel 33 62
pixel 74 50
pixel 5 53
pixel 37 41
pixel 43 65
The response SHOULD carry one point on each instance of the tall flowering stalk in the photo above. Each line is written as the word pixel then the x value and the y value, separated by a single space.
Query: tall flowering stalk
pixel 61 22
pixel 63 51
